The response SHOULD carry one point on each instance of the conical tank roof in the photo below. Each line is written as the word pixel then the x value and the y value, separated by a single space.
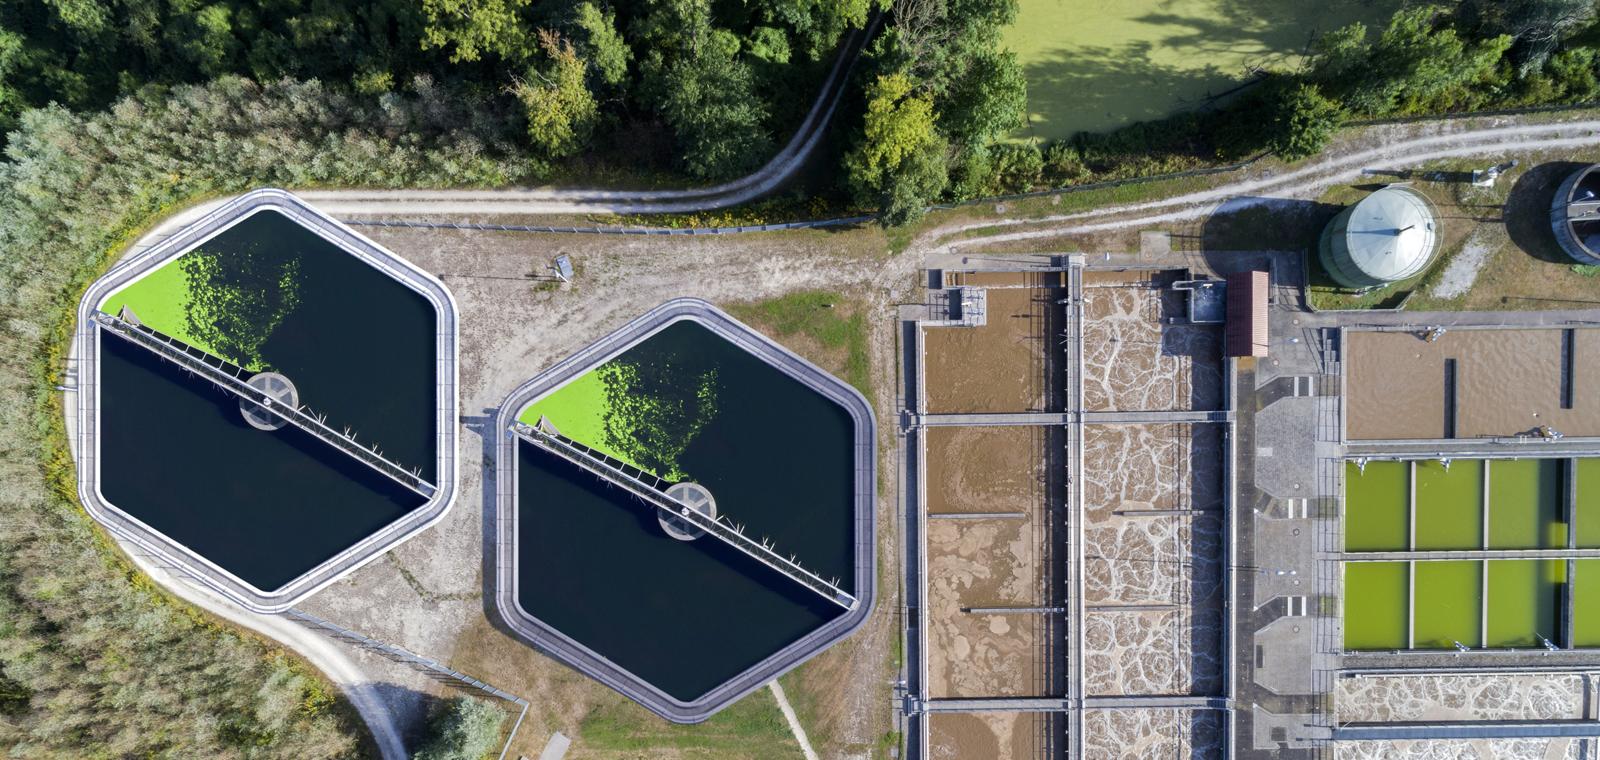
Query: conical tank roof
pixel 1389 235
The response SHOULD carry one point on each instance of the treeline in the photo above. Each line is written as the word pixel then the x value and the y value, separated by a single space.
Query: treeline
pixel 942 98
pixel 94 662
pixel 696 86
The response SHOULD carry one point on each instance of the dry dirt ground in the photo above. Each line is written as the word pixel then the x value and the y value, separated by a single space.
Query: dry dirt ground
pixel 428 595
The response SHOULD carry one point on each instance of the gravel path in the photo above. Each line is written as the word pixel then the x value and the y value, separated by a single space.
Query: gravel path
pixel 1398 146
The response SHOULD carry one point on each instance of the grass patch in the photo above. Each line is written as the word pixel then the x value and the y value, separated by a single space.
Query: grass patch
pixel 1586 270
pixel 838 325
pixel 751 727
pixel 1095 67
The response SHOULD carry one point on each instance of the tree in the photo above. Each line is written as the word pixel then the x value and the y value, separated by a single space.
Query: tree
pixel 466 729
pixel 560 109
pixel 1537 27
pixel 716 115
pixel 1417 65
pixel 471 28
pixel 608 53
pixel 899 164
pixel 988 101
pixel 898 124
pixel 1303 122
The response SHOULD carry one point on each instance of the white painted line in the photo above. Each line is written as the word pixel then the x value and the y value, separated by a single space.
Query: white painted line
pixel 556 748
pixel 794 721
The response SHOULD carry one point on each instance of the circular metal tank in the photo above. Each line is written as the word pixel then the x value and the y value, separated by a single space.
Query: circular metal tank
pixel 1575 215
pixel 1388 236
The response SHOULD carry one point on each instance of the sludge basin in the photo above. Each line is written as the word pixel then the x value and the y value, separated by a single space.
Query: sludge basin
pixel 257 287
pixel 687 395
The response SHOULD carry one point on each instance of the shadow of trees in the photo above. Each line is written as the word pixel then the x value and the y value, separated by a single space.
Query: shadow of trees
pixel 1175 56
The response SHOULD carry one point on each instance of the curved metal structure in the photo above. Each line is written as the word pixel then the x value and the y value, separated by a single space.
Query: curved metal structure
pixel 1387 236
pixel 1575 215
pixel 553 642
pixel 442 480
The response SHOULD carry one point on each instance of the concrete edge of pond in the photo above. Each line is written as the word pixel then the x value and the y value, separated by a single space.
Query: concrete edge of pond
pixel 87 413
pixel 569 651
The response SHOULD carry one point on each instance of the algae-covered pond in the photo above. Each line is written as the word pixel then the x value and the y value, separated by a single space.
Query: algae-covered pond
pixel 268 294
pixel 1436 604
pixel 687 405
pixel 1423 505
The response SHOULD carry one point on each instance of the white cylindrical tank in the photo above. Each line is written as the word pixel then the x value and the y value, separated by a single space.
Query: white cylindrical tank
pixel 1389 235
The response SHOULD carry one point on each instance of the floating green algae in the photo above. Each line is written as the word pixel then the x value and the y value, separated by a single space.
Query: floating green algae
pixel 1375 600
pixel 224 303
pixel 1524 602
pixel 1449 504
pixel 1525 504
pixel 1586 603
pixel 1376 517
pixel 1586 520
pixel 1448 604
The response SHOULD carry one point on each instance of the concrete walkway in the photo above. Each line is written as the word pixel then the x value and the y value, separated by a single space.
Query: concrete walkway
pixel 793 719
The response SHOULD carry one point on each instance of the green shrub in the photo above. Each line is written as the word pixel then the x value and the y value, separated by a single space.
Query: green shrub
pixel 467 728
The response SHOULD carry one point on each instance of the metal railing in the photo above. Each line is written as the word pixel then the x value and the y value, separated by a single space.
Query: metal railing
pixel 723 529
pixel 181 354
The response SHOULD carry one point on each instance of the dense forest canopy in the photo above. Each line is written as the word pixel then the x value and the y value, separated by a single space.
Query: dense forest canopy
pixel 721 79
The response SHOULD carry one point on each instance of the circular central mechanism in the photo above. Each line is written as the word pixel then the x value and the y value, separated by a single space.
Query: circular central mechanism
pixel 280 392
pixel 692 496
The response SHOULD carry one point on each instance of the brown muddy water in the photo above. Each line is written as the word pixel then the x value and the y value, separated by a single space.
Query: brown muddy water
pixel 1471 383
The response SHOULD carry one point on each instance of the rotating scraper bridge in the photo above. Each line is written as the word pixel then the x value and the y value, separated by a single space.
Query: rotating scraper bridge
pixel 231 379
pixel 634 482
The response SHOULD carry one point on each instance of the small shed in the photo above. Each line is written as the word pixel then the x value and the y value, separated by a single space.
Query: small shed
pixel 1245 330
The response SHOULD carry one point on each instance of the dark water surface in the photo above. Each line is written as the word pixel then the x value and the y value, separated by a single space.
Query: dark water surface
pixel 359 346
pixel 686 616
pixel 177 455
pixel 268 506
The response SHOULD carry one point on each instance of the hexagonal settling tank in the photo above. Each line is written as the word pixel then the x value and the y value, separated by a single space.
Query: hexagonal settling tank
pixel 267 400
pixel 685 510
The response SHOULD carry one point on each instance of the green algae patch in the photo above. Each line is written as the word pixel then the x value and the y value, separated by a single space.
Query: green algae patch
pixel 1449 505
pixel 1376 598
pixel 226 304
pixel 644 408
pixel 1586 520
pixel 1376 516
pixel 1525 504
pixel 1448 604
pixel 1524 602
pixel 578 411
pixel 1586 603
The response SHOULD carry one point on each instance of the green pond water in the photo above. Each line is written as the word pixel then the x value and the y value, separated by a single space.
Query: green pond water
pixel 1524 602
pixel 1375 599
pixel 1586 521
pixel 1586 603
pixel 1449 504
pixel 1525 504
pixel 1375 507
pixel 1448 604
